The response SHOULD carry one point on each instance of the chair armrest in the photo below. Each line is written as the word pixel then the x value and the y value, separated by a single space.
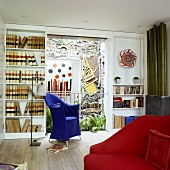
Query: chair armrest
pixel 55 105
pixel 72 110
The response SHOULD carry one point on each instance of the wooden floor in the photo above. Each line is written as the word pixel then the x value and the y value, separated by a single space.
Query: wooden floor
pixel 18 151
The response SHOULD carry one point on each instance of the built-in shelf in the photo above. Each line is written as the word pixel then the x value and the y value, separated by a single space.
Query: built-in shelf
pixel 25 49
pixel 24 116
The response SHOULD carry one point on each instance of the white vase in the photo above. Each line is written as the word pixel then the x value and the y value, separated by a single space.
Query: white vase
pixel 118 81
pixel 136 81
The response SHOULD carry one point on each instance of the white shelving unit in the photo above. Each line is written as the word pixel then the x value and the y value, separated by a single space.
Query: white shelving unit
pixel 129 99
pixel 128 96
pixel 26 30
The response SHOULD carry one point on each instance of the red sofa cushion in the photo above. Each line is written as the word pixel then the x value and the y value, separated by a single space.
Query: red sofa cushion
pixel 158 151
pixel 116 162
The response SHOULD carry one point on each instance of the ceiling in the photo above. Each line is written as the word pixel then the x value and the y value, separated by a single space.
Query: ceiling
pixel 114 15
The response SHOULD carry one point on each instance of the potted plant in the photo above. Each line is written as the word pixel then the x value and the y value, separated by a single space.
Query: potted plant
pixel 117 80
pixel 136 80
pixel 49 123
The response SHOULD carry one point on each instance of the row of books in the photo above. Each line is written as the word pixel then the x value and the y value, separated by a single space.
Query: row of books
pixel 128 89
pixel 17 92
pixel 36 42
pixel 33 42
pixel 118 102
pixel 118 122
pixel 13 126
pixel 35 108
pixel 121 121
pixel 22 58
pixel 14 41
pixel 25 76
pixel 13 109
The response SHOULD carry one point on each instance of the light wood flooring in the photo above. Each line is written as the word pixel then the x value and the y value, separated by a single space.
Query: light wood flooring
pixel 18 151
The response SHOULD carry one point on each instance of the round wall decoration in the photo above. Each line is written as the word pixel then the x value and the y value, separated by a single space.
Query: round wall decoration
pixel 127 58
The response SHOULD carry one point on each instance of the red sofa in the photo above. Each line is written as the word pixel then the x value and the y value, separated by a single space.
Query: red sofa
pixel 143 144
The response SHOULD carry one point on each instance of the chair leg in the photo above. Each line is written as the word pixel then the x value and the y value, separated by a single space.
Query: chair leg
pixel 80 137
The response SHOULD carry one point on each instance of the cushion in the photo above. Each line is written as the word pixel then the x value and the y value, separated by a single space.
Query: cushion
pixel 116 162
pixel 158 150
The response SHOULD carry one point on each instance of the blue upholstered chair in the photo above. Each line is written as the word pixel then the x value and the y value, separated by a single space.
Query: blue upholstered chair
pixel 65 118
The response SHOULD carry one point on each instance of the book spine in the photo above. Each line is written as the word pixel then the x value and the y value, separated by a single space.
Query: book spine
pixel 13 40
pixel 14 58
pixel 7 58
pixel 7 41
pixel 18 41
pixel 19 58
pixel 42 59
pixel 23 59
pixel 29 58
pixel 33 60
pixel 7 92
pixel 23 42
pixel 10 58
pixel 8 109
pixel 7 76
pixel 23 76
pixel 30 76
pixel 29 42
pixel 27 76
pixel 10 76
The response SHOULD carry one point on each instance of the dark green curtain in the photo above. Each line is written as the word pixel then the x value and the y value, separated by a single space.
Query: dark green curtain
pixel 157 60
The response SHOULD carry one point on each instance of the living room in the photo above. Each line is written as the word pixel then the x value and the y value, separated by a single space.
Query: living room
pixel 70 19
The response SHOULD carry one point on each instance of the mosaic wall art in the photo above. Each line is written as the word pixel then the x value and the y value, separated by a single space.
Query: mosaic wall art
pixel 92 61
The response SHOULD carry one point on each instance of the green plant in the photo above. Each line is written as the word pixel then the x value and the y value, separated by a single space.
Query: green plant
pixel 85 124
pixel 93 123
pixel 49 123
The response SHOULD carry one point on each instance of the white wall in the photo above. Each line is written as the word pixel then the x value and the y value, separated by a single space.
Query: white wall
pixel 2 31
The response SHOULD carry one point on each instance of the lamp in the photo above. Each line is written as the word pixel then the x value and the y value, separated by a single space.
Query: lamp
pixel 41 92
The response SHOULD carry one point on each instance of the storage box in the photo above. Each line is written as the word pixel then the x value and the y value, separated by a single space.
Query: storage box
pixel 130 118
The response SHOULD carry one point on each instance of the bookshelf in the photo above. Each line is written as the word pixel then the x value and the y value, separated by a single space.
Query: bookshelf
pixel 128 103
pixel 25 58
pixel 128 96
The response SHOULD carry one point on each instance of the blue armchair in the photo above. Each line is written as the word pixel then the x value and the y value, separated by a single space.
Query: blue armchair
pixel 65 118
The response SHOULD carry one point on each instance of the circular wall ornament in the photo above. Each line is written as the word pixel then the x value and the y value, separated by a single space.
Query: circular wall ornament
pixel 127 58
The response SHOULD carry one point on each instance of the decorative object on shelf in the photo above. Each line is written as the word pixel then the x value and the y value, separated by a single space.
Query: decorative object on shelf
pixel 41 92
pixel 127 58
pixel 136 80
pixel 117 80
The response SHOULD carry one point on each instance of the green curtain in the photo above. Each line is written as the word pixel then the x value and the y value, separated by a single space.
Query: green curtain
pixel 157 60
